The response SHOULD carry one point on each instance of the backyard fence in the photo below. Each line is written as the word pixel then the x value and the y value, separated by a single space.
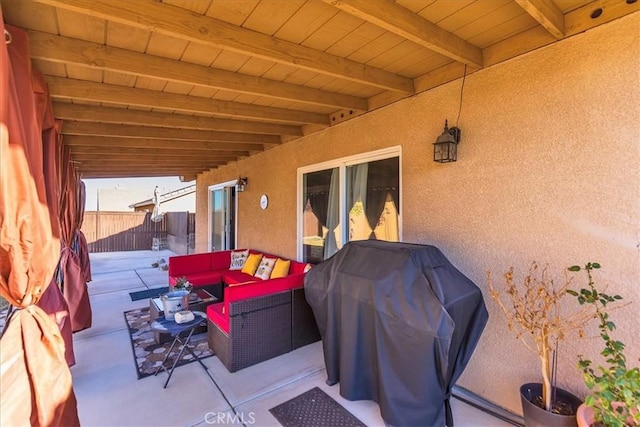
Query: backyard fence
pixel 181 229
pixel 134 231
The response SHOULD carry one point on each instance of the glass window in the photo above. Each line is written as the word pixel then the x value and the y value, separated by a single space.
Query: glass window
pixel 373 200
pixel 362 194
pixel 320 214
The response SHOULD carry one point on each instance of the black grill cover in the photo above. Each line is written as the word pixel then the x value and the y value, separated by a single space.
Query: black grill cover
pixel 398 323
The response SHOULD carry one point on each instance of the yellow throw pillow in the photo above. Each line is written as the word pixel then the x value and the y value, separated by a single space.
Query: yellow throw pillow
pixel 251 264
pixel 281 269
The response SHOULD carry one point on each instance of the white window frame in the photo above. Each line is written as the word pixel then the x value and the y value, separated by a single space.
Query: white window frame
pixel 342 164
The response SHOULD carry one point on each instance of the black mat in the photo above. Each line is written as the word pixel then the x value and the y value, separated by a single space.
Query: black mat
pixel 148 293
pixel 314 408
pixel 147 354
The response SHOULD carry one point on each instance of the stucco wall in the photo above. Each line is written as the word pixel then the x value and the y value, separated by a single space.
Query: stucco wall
pixel 548 170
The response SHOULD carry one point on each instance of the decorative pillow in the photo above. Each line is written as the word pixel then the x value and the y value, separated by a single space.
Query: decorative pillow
pixel 237 259
pixel 251 264
pixel 265 267
pixel 281 269
pixel 307 268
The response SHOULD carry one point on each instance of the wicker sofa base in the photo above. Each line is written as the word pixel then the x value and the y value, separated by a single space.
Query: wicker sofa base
pixel 263 328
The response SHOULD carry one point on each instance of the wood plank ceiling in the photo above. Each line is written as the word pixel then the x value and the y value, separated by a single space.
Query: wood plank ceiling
pixel 177 87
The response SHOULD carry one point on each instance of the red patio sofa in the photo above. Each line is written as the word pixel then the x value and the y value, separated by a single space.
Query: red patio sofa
pixel 256 319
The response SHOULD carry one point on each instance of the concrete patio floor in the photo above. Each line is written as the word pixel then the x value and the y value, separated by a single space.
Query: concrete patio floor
pixel 109 393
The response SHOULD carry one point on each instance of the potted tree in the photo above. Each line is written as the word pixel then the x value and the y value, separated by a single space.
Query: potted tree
pixel 614 399
pixel 535 312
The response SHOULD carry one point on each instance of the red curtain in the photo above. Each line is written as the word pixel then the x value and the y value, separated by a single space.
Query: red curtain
pixel 81 241
pixel 71 277
pixel 35 382
pixel 52 301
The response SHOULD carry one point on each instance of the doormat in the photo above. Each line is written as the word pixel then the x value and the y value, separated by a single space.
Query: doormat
pixel 147 293
pixel 314 408
pixel 147 354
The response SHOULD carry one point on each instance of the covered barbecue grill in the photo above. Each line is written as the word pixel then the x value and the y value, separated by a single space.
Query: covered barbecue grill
pixel 399 324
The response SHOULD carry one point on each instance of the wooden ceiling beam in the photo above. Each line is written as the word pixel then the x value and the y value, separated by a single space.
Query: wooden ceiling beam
pixel 180 23
pixel 105 141
pixel 120 165
pixel 166 170
pixel 189 176
pixel 132 131
pixel 132 173
pixel 60 87
pixel 175 152
pixel 150 163
pixel 66 50
pixel 155 166
pixel 91 173
pixel 185 177
pixel 149 156
pixel 576 21
pixel 397 19
pixel 92 113
pixel 547 14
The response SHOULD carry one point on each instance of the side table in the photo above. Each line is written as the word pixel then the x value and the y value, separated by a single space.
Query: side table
pixel 165 326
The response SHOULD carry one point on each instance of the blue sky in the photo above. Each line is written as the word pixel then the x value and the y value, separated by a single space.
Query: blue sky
pixel 143 184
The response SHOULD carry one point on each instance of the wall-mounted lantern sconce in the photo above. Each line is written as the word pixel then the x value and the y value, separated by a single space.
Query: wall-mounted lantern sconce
pixel 445 149
pixel 241 184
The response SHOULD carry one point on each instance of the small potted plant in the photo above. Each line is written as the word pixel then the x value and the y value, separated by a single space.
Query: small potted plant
pixel 536 313
pixel 182 284
pixel 614 398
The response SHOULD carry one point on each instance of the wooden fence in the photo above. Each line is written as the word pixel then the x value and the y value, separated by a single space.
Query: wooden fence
pixel 181 228
pixel 121 231
pixel 134 231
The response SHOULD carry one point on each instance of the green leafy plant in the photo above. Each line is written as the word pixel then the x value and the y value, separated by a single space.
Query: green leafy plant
pixel 183 284
pixel 534 312
pixel 615 387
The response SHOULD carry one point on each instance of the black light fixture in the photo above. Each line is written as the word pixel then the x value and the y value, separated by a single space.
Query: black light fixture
pixel 241 183
pixel 445 149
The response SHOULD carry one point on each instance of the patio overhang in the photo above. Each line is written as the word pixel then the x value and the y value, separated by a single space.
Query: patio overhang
pixel 150 88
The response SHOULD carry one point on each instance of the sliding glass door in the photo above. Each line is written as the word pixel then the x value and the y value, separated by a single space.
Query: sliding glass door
pixel 321 215
pixel 222 214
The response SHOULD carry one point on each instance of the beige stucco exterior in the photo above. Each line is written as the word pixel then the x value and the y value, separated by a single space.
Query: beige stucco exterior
pixel 548 170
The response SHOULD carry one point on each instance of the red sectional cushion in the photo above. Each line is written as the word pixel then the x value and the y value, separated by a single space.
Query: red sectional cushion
pixel 220 260
pixel 203 279
pixel 182 265
pixel 297 267
pixel 215 314
pixel 261 288
pixel 233 277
